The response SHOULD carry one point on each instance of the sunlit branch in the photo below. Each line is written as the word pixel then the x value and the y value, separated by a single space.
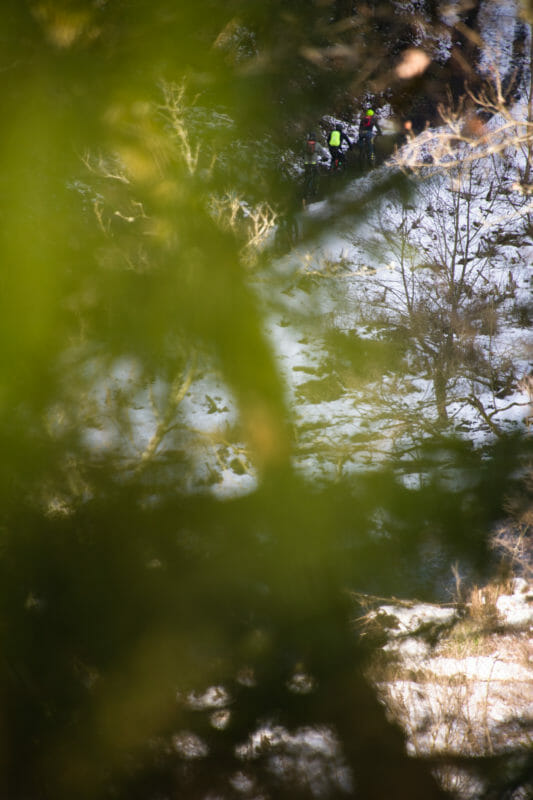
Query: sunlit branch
pixel 174 109
pixel 180 387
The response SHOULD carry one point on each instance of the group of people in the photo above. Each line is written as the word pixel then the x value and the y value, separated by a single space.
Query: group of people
pixel 315 152
pixel 338 144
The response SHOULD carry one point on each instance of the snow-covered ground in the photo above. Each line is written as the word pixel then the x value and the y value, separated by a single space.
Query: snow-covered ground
pixel 333 282
pixel 457 679
pixel 369 253
pixel 471 692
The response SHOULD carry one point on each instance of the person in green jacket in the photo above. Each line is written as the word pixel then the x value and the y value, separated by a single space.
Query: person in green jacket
pixel 336 138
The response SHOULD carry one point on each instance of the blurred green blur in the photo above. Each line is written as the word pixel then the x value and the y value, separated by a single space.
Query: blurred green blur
pixel 122 591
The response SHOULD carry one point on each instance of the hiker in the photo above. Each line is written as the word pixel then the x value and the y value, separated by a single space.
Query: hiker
pixel 313 153
pixel 288 230
pixel 336 138
pixel 366 134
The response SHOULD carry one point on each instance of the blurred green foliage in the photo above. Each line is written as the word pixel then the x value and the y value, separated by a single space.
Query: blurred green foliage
pixel 119 593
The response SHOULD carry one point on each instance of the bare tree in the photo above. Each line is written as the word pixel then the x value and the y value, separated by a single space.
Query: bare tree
pixel 481 124
pixel 445 299
pixel 137 193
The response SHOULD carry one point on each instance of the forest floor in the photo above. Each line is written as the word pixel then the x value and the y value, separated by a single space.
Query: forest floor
pixel 458 678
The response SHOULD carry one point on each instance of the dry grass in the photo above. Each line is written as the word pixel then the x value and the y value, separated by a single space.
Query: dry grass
pixel 481 608
pixel 468 694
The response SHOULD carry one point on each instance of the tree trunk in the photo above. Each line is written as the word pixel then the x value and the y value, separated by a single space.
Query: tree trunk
pixel 440 387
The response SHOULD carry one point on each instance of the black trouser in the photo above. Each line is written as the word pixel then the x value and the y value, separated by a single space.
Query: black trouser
pixel 337 155
pixel 366 145
pixel 310 180
pixel 287 233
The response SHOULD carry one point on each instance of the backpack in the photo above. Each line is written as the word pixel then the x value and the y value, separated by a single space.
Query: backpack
pixel 335 139
pixel 311 146
pixel 367 123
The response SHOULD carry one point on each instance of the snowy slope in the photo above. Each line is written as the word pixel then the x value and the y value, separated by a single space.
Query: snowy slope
pixel 331 284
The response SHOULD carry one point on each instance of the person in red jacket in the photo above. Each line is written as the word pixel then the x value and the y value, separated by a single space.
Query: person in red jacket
pixel 313 154
pixel 367 125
